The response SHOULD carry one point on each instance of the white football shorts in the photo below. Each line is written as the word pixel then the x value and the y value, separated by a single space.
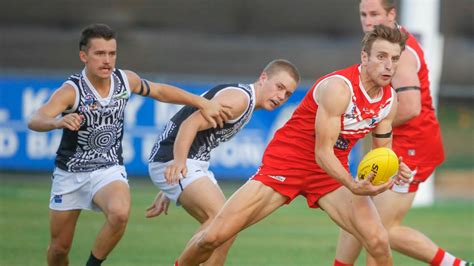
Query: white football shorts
pixel 196 169
pixel 75 191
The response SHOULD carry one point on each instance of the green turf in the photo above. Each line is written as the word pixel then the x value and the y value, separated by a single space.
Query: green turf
pixel 294 235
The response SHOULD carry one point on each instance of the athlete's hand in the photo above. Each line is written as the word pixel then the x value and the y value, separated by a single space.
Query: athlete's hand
pixel 215 113
pixel 365 186
pixel 71 121
pixel 175 171
pixel 159 205
pixel 404 175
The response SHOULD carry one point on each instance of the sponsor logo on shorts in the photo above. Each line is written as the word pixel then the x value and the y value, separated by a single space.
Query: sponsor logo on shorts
pixel 278 177
pixel 57 199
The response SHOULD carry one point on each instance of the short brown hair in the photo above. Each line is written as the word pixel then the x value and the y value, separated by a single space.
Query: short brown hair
pixel 95 31
pixel 387 4
pixel 393 35
pixel 278 65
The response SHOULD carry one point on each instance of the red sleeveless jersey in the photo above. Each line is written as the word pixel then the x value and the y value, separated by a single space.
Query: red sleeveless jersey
pixel 291 150
pixel 419 141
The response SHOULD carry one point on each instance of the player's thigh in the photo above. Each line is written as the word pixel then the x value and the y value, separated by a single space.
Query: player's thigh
pixel 62 226
pixel 355 214
pixel 393 206
pixel 113 197
pixel 249 204
pixel 202 199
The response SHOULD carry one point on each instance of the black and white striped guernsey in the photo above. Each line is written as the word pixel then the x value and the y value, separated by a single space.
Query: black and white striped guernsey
pixel 98 143
pixel 205 140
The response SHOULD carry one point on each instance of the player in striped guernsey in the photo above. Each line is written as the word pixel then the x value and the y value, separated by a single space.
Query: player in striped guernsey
pixel 416 138
pixel 89 173
pixel 180 158
pixel 308 155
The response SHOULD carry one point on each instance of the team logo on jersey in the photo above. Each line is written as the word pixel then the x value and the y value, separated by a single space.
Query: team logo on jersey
pixel 83 109
pixel 368 111
pixel 352 114
pixel 90 102
pixel 122 95
pixel 373 121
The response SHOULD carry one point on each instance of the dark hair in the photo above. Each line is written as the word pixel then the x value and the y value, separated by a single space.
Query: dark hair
pixel 393 35
pixel 95 31
pixel 387 4
pixel 278 65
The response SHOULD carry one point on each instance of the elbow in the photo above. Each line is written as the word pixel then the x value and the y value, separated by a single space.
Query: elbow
pixel 318 155
pixel 31 125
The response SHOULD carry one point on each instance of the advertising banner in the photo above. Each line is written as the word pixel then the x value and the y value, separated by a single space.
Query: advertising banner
pixel 24 150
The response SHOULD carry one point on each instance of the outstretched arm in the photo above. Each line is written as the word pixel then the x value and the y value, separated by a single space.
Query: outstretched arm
pixel 213 112
pixel 333 97
pixel 45 118
pixel 238 102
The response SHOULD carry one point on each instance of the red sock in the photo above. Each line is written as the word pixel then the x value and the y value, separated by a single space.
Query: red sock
pixel 438 258
pixel 338 263
pixel 443 258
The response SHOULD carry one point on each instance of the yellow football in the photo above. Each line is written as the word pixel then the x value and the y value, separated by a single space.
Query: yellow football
pixel 383 162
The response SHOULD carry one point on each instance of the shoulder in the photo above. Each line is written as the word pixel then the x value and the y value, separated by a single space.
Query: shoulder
pixel 232 94
pixel 133 79
pixel 66 94
pixel 66 90
pixel 332 88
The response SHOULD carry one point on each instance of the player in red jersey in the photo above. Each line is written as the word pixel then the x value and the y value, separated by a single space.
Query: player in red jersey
pixel 308 155
pixel 416 138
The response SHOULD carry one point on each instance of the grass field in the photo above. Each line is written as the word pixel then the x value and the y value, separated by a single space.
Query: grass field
pixel 294 235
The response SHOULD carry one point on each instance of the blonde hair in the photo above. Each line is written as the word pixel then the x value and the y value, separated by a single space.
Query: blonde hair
pixel 278 65
pixel 381 32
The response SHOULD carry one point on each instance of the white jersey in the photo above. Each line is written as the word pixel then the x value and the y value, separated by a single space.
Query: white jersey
pixel 98 142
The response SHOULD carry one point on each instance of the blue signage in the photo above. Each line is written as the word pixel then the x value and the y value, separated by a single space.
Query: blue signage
pixel 25 150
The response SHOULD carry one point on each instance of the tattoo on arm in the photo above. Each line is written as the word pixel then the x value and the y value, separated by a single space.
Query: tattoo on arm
pixel 144 90
pixel 382 136
pixel 409 88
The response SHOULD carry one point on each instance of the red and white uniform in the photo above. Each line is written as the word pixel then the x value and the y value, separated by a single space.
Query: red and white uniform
pixel 419 141
pixel 289 164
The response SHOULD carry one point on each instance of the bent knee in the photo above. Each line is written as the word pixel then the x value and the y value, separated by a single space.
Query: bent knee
pixel 118 218
pixel 209 241
pixel 378 243
pixel 59 249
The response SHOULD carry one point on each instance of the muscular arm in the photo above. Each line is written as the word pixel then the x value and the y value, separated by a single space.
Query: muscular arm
pixel 407 85
pixel 382 134
pixel 212 112
pixel 45 118
pixel 238 102
pixel 333 97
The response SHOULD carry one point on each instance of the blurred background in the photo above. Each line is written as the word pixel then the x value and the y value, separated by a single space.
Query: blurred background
pixel 197 44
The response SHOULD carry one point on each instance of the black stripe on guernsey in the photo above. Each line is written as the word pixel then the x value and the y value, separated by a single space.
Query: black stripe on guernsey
pixel 409 88
pixel 382 136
